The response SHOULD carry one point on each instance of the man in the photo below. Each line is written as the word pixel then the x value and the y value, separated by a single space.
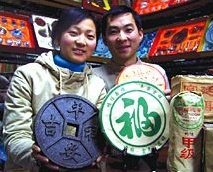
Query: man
pixel 122 32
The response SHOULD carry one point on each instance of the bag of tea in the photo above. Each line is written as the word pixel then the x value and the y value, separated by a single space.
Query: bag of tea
pixel 185 148
pixel 202 83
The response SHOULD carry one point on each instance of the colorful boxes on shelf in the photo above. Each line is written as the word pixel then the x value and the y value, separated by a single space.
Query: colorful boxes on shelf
pixel 181 38
pixel 43 28
pixel 15 30
pixel 7 67
pixel 101 49
pixel 151 6
pixel 146 44
pixel 208 39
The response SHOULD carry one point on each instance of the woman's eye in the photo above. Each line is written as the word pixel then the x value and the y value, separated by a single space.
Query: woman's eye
pixel 90 37
pixel 73 33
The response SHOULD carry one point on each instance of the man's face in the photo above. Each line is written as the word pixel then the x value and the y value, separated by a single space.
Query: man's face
pixel 122 36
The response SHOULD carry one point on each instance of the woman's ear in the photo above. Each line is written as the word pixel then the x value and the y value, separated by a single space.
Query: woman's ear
pixel 56 44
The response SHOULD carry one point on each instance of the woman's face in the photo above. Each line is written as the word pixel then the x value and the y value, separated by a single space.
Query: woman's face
pixel 78 42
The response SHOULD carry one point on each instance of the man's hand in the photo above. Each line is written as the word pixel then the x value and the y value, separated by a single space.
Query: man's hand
pixel 41 159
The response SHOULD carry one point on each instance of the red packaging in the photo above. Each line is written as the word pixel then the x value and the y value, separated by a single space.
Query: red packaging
pixel 181 38
pixel 15 30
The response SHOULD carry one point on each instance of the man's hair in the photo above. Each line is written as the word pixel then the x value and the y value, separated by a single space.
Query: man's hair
pixel 117 10
pixel 69 17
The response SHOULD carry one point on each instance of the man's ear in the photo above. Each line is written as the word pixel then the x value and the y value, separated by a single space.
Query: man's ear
pixel 141 34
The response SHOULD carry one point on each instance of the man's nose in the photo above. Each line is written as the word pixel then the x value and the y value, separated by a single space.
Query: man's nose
pixel 122 36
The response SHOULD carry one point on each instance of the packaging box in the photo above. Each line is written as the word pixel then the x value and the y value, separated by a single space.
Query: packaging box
pixel 179 38
pixel 203 84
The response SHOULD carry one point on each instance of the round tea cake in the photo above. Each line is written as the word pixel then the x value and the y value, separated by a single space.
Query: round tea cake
pixel 142 72
pixel 66 130
pixel 134 117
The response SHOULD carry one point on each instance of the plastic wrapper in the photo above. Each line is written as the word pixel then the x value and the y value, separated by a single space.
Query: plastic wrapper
pixel 202 84
pixel 185 138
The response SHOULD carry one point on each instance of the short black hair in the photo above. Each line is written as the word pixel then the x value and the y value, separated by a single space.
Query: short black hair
pixel 117 10
pixel 69 17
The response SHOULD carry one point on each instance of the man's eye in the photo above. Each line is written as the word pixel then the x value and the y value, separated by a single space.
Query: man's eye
pixel 113 32
pixel 129 30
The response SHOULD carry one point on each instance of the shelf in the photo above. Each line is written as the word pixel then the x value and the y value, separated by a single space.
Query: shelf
pixel 195 63
pixel 26 56
pixel 33 7
pixel 180 57
pixel 179 13
pixel 17 58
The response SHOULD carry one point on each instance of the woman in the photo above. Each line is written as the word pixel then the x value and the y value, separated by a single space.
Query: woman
pixel 51 74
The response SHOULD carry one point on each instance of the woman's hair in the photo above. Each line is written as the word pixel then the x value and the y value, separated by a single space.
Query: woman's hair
pixel 117 10
pixel 69 17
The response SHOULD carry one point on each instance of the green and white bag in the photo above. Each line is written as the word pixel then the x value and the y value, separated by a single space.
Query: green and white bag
pixel 185 148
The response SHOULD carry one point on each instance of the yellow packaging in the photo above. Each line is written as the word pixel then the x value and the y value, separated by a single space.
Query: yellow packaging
pixel 202 84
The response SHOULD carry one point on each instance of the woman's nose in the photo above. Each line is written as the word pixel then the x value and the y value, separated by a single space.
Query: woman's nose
pixel 81 40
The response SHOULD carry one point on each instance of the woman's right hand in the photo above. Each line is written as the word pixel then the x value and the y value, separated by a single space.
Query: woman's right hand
pixel 41 159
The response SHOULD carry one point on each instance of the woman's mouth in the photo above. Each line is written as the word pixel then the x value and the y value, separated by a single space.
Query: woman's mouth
pixel 78 51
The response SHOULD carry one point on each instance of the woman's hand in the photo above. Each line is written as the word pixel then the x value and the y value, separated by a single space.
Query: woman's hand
pixel 41 159
pixel 100 159
pixel 167 93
